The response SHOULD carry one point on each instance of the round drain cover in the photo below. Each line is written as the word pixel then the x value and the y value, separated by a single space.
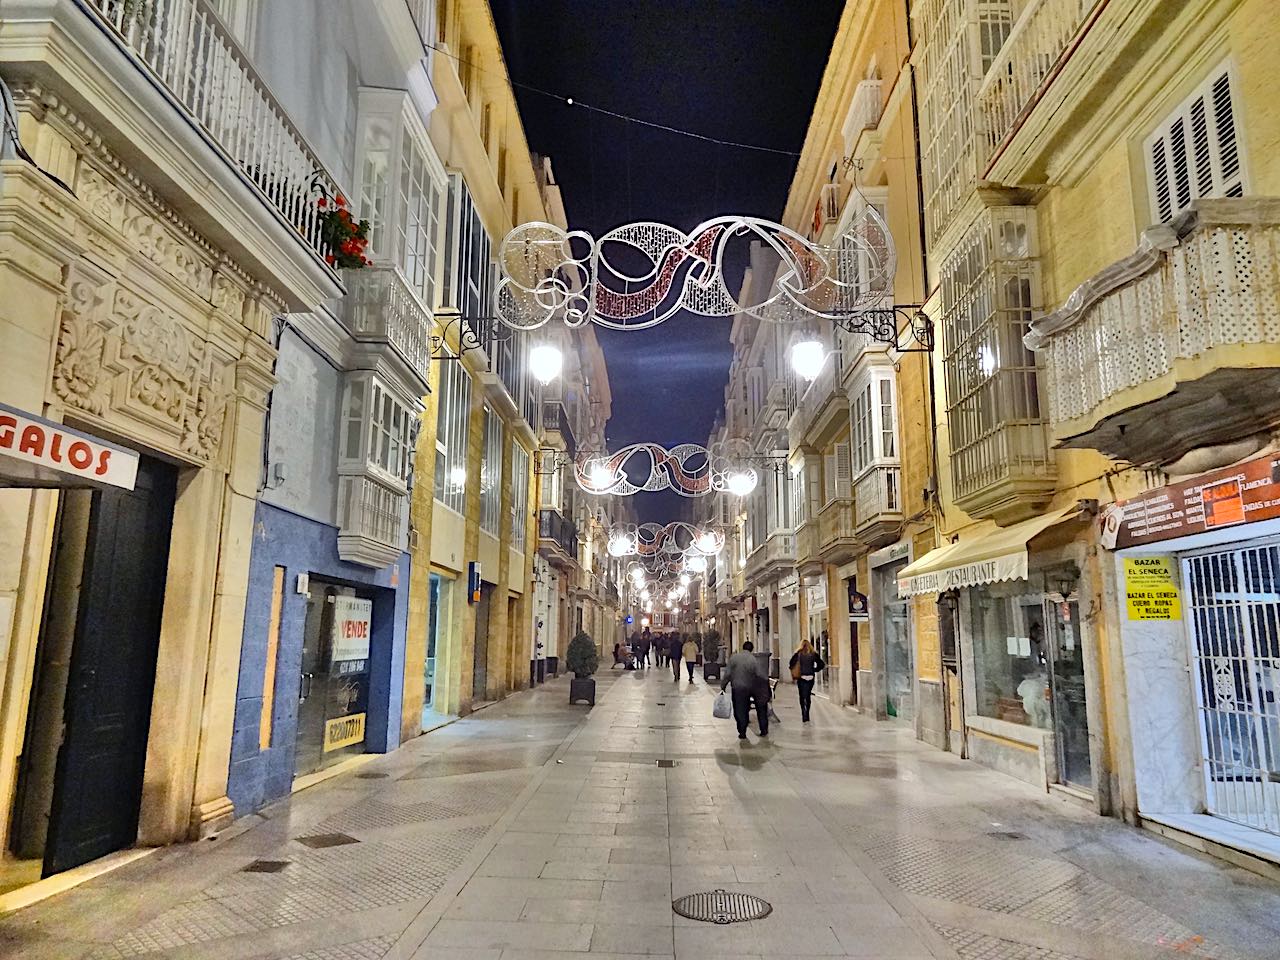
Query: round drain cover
pixel 721 906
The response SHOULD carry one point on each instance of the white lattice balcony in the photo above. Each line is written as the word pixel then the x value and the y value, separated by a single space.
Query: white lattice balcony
pixel 808 547
pixel 1175 347
pixel 877 499
pixel 777 553
pixel 1026 63
pixel 380 307
pixel 371 521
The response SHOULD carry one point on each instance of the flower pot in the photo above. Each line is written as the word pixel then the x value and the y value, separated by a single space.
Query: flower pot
pixel 582 688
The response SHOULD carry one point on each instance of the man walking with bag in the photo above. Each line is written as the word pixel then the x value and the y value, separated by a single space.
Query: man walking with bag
pixel 750 683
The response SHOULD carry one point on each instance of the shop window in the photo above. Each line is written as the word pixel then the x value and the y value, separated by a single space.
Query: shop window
pixel 1009 655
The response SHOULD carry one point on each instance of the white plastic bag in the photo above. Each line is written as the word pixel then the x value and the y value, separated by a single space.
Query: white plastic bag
pixel 723 708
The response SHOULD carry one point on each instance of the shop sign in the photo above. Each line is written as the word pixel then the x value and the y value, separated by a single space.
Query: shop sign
pixel 52 446
pixel 1151 593
pixel 816 595
pixel 343 731
pixel 351 618
pixel 1245 493
pixel 859 608
pixel 1011 567
pixel 789 590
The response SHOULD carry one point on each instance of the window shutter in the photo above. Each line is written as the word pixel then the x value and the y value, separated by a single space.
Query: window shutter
pixel 1195 152
pixel 828 477
pixel 844 472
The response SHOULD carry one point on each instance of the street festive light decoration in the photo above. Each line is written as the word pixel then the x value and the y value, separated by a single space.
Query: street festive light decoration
pixel 675 539
pixel 545 362
pixel 549 273
pixel 807 358
pixel 697 564
pixel 688 469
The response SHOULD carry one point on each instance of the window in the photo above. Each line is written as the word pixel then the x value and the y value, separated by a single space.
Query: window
pixel 452 420
pixel 377 428
pixel 419 203
pixel 1009 654
pixel 873 435
pixel 1195 152
pixel 469 270
pixel 491 475
pixel 836 473
pixel 519 496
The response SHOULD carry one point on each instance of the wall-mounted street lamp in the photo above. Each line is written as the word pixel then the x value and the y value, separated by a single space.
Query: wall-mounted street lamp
pixel 545 362
pixel 807 358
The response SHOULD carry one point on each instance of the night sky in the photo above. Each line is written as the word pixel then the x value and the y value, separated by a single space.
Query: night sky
pixel 745 71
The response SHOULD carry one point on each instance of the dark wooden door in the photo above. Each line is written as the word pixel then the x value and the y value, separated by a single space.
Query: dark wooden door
pixel 98 781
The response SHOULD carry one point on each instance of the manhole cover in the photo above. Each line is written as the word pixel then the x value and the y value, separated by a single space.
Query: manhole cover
pixel 371 776
pixel 721 906
pixel 266 866
pixel 321 840
pixel 1006 835
pixel 667 763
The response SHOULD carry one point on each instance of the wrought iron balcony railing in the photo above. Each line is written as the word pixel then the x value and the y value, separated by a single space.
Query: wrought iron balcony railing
pixel 184 45
pixel 557 530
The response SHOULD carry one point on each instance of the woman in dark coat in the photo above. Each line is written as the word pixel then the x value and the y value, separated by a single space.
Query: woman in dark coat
pixel 805 666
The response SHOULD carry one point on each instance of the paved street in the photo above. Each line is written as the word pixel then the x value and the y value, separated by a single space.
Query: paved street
pixel 535 830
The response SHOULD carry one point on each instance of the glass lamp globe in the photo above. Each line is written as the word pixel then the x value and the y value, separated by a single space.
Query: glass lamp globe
pixel 706 543
pixel 545 363
pixel 684 579
pixel 698 564
pixel 601 476
pixel 807 358
pixel 742 482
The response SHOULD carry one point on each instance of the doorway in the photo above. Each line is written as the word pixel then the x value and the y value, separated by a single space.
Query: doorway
pixel 1067 690
pixel 80 786
pixel 480 663
pixel 897 644
pixel 333 691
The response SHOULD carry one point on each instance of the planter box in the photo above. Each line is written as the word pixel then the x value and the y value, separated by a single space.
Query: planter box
pixel 582 689
pixel 710 671
pixel 553 666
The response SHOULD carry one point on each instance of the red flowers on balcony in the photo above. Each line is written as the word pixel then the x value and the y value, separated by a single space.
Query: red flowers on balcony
pixel 344 238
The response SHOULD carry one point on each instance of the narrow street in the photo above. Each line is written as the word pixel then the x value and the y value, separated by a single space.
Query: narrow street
pixel 534 829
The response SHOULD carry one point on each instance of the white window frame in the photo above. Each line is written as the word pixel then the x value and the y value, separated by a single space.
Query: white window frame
pixel 377 430
pixel 1189 141
pixel 519 497
pixel 491 475
pixel 453 419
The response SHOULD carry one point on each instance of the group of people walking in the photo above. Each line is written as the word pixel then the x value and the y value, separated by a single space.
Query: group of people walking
pixel 669 648
pixel 745 674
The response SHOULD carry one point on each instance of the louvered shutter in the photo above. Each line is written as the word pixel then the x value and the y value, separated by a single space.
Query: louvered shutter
pixel 844 472
pixel 828 477
pixel 1195 152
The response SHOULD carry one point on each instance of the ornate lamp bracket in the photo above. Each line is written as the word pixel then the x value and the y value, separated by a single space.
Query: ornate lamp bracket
pixel 470 333
pixel 905 327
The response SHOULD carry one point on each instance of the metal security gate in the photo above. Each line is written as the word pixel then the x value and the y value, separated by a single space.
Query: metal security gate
pixel 1233 598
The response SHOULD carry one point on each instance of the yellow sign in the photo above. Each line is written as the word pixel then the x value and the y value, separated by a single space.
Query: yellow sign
pixel 343 731
pixel 1151 592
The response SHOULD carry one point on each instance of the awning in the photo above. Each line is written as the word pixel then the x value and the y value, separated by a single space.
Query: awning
pixel 988 558
pixel 35 452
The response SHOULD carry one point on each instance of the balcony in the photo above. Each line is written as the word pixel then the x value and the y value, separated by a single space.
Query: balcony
pixel 557 539
pixel 371 522
pixel 775 555
pixel 822 408
pixel 877 499
pixel 169 90
pixel 1175 347
pixel 380 308
pixel 837 534
pixel 556 426
pixel 864 114
pixel 808 553
pixel 1026 64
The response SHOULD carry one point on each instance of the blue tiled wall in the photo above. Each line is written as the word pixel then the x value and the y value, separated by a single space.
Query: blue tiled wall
pixel 301 545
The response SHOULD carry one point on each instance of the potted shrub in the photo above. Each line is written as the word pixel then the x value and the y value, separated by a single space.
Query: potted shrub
pixel 582 659
pixel 711 655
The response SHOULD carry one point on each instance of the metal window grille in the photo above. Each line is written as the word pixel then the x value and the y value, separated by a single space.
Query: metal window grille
pixel 1234 612
pixel 491 475
pixel 519 496
pixel 452 421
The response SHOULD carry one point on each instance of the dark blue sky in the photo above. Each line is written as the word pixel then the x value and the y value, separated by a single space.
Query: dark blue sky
pixel 746 71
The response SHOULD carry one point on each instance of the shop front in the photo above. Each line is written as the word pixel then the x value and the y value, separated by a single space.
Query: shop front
pixel 818 632
pixel 1027 659
pixel 1196 588
pixel 893 648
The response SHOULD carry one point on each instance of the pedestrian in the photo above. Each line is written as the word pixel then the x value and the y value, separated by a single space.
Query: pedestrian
pixel 642 658
pixel 805 666
pixel 647 639
pixel 617 656
pixel 674 647
pixel 690 653
pixel 749 682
